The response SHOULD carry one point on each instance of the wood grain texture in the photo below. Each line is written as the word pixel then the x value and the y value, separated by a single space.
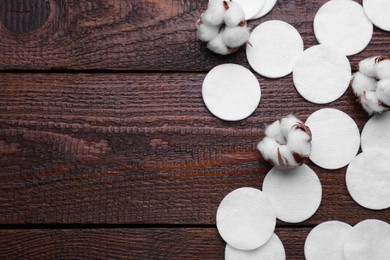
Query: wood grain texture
pixel 140 149
pixel 151 243
pixel 131 35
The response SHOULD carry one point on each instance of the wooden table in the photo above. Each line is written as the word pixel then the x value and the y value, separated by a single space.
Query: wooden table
pixel 106 148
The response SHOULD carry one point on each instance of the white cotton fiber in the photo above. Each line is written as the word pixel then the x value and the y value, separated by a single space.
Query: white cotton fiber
pixel 218 46
pixel 274 131
pixel 382 69
pixel 361 83
pixel 207 32
pixel 285 157
pixel 269 149
pixel 370 103
pixel 234 15
pixel 367 66
pixel 214 13
pixel 234 37
pixel 287 123
pixel 299 142
pixel 383 91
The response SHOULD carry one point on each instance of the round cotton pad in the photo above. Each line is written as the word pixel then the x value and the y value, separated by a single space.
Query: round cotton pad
pixel 368 179
pixel 231 92
pixel 368 240
pixel 295 194
pixel 322 74
pixel 326 241
pixel 274 48
pixel 246 219
pixel 344 25
pixel 272 250
pixel 250 7
pixel 378 12
pixel 376 134
pixel 336 138
pixel 267 7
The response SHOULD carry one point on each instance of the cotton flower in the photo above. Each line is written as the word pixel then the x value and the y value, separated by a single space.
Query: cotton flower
pixel 367 66
pixel 223 27
pixel 287 143
pixel 235 36
pixel 382 69
pixel 371 84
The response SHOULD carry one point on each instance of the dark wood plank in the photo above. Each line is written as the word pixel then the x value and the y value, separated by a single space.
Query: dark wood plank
pixel 130 35
pixel 140 148
pixel 150 243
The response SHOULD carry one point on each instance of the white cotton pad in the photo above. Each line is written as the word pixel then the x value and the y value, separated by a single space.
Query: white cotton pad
pixel 274 48
pixel 343 25
pixel 250 7
pixel 326 241
pixel 267 7
pixel 295 194
pixel 368 240
pixel 322 74
pixel 378 12
pixel 336 138
pixel 376 133
pixel 246 219
pixel 231 92
pixel 368 179
pixel 272 250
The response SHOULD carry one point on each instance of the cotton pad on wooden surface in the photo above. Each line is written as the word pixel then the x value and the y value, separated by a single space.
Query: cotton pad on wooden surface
pixel 368 179
pixel 378 12
pixel 267 7
pixel 231 92
pixel 376 133
pixel 246 219
pixel 326 241
pixel 295 194
pixel 250 7
pixel 368 240
pixel 322 74
pixel 344 25
pixel 272 250
pixel 336 138
pixel 274 48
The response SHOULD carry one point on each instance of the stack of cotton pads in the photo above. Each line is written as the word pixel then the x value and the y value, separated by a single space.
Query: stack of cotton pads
pixel 335 240
pixel 246 217
pixel 368 175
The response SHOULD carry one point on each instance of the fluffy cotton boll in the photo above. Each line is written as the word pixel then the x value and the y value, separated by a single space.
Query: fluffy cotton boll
pixel 367 66
pixel 235 36
pixel 274 131
pixel 268 149
pixel 298 141
pixel 382 69
pixel 207 32
pixel 287 123
pixel 361 83
pixel 234 15
pixel 371 104
pixel 218 46
pixel 285 158
pixel 214 13
pixel 383 91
